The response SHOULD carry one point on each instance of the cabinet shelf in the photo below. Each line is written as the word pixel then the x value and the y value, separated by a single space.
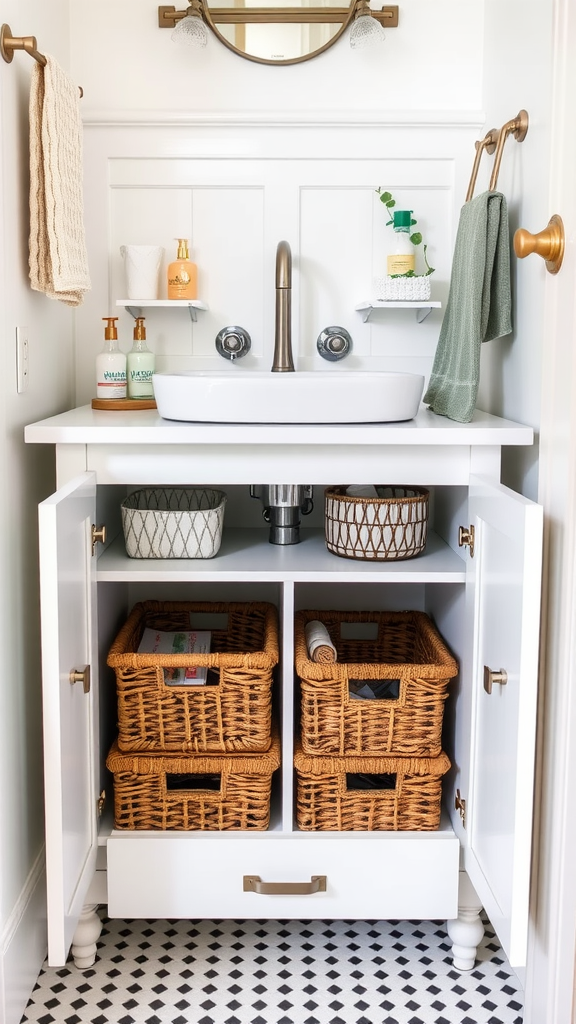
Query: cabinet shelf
pixel 135 306
pixel 246 556
pixel 421 308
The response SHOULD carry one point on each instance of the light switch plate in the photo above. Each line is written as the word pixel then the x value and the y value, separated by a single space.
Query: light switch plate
pixel 22 356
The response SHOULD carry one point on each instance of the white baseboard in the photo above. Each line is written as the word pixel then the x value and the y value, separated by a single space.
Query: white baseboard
pixel 23 945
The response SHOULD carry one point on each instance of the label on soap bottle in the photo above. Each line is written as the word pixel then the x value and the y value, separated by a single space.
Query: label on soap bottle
pixel 401 263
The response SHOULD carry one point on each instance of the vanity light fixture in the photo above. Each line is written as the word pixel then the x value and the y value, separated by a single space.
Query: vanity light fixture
pixel 191 29
pixel 326 23
pixel 366 30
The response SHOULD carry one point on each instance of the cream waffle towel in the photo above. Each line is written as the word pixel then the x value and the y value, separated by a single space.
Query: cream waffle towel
pixel 58 260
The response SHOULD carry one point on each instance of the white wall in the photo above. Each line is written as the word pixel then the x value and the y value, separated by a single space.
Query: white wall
pixel 27 476
pixel 516 75
pixel 237 155
pixel 126 63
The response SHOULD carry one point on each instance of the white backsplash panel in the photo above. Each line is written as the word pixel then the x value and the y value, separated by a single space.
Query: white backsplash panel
pixel 235 192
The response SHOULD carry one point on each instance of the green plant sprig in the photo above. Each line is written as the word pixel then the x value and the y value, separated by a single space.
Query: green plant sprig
pixel 415 237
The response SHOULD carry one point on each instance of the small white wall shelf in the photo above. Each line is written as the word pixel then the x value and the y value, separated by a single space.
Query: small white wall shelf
pixel 422 309
pixel 135 306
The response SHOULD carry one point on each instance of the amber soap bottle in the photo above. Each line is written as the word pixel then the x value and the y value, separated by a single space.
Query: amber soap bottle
pixel 182 274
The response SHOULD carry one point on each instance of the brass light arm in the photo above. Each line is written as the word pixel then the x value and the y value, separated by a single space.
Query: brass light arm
pixel 168 17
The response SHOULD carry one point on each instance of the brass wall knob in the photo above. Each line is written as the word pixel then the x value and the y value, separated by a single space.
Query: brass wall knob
pixel 548 243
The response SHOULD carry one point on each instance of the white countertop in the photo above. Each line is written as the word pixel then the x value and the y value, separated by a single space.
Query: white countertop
pixel 85 425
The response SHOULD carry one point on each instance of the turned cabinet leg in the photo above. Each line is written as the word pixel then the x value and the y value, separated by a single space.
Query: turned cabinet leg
pixel 86 936
pixel 466 930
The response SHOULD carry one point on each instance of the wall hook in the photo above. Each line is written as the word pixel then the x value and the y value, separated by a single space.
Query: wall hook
pixel 548 243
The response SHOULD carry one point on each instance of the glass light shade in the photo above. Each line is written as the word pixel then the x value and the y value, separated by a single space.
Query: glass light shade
pixel 191 31
pixel 366 31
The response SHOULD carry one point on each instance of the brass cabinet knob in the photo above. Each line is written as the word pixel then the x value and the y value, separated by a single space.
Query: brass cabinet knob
pixel 548 243
pixel 492 676
pixel 98 536
pixel 81 676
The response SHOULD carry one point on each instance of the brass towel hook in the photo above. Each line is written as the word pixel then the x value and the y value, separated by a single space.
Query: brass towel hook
pixel 10 43
pixel 518 127
pixel 488 143
pixel 548 243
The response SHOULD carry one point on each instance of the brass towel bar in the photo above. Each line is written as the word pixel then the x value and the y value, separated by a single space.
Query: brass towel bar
pixel 9 43
pixel 495 141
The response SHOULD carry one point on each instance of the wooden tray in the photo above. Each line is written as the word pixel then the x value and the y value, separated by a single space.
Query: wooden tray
pixel 116 404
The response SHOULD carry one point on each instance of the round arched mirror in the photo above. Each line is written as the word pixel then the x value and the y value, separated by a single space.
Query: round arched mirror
pixel 273 34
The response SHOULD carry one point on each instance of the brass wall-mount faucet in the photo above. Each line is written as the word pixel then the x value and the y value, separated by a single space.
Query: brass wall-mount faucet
pixel 283 362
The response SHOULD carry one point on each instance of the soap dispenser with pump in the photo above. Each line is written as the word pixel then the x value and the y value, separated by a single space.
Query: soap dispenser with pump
pixel 111 364
pixel 182 274
pixel 402 258
pixel 140 364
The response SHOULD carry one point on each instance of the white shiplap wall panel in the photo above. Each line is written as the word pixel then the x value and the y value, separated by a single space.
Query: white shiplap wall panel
pixel 228 247
pixel 236 191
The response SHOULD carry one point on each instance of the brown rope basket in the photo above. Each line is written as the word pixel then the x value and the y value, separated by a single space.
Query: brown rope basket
pixel 408 653
pixel 406 796
pixel 172 792
pixel 231 714
pixel 390 527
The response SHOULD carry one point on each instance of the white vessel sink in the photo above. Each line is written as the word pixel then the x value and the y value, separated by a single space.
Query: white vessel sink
pixel 257 396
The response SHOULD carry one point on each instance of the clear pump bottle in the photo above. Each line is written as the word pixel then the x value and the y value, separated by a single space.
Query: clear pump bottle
pixel 140 363
pixel 111 364
pixel 402 258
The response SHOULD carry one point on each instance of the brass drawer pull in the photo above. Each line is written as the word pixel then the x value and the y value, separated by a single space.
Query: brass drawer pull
pixel 253 883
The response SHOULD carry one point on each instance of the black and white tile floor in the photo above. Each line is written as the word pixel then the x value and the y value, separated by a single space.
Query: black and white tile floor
pixel 278 972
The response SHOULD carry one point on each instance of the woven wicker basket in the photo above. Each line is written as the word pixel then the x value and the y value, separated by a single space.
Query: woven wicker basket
pixel 327 801
pixel 171 792
pixel 391 527
pixel 173 522
pixel 408 651
pixel 232 714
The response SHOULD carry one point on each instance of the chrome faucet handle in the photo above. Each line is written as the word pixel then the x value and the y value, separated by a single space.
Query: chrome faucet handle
pixel 334 343
pixel 233 342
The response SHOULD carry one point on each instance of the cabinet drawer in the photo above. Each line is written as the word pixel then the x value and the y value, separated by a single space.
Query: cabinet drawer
pixel 390 875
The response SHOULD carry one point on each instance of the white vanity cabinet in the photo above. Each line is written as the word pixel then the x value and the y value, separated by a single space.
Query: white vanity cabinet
pixel 486 605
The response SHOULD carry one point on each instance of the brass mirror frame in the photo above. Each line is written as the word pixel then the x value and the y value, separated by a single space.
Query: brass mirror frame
pixel 168 17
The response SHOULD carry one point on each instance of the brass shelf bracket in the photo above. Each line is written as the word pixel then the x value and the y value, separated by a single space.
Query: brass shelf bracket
pixel 548 243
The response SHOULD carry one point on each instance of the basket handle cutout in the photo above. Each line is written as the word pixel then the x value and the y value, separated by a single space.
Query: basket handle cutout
pixel 364 780
pixel 374 689
pixel 359 630
pixel 186 781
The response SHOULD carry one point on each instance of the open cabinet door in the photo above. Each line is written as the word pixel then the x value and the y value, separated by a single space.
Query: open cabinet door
pixel 506 576
pixel 67 596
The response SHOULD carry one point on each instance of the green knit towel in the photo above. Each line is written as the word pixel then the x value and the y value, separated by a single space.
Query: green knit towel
pixel 479 306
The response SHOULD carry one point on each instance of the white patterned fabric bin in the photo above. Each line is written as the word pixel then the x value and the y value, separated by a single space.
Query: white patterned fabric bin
pixel 173 522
